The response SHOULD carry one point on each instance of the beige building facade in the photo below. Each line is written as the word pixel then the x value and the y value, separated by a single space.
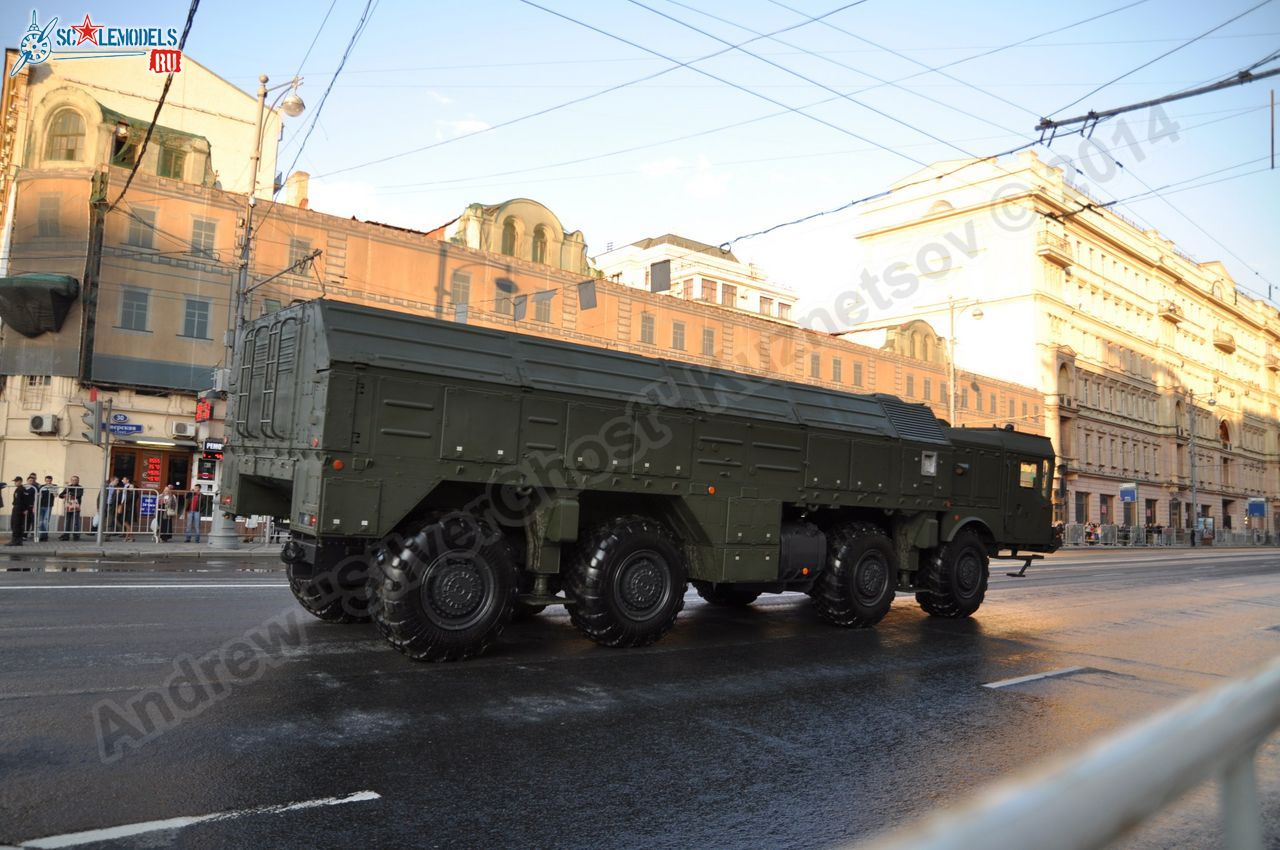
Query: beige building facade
pixel 1138 351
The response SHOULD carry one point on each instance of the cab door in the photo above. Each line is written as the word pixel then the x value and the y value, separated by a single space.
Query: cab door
pixel 1030 514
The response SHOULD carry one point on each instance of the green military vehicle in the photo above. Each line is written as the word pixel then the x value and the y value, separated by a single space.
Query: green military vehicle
pixel 440 479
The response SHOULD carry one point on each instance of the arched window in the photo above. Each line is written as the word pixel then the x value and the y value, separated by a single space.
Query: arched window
pixel 539 254
pixel 66 136
pixel 509 237
pixel 1224 432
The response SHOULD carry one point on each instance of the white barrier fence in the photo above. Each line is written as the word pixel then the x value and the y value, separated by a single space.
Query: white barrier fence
pixel 128 514
pixel 1094 534
pixel 1094 800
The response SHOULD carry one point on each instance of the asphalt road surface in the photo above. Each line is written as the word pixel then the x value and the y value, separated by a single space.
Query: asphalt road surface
pixel 759 727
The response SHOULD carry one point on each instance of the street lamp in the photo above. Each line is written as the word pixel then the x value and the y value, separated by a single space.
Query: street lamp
pixel 955 305
pixel 222 535
pixel 1191 416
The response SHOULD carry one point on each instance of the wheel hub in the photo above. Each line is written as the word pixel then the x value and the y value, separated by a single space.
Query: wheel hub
pixel 454 588
pixel 869 581
pixel 968 573
pixel 642 582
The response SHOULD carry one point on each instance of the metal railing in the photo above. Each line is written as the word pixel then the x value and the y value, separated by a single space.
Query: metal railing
pixel 1095 799
pixel 1093 534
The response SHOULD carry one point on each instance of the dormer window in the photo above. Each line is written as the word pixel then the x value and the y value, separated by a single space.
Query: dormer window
pixel 66 137
pixel 172 161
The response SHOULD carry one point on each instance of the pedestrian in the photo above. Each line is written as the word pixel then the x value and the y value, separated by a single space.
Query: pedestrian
pixel 32 486
pixel 71 496
pixel 166 510
pixel 125 507
pixel 18 512
pixel 44 507
pixel 113 507
pixel 192 520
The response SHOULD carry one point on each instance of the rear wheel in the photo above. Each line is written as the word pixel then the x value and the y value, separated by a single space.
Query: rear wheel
pixel 448 593
pixel 955 582
pixel 627 581
pixel 726 595
pixel 856 587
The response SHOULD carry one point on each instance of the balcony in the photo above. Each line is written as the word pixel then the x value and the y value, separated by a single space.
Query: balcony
pixel 1273 361
pixel 1171 311
pixel 1054 248
pixel 1066 404
pixel 1224 341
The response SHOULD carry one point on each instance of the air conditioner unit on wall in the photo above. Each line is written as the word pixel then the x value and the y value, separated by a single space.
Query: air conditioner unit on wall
pixel 184 429
pixel 44 423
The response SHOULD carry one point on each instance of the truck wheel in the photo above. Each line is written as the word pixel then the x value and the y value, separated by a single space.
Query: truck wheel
pixel 856 587
pixel 627 579
pixel 448 594
pixel 955 581
pixel 725 595
pixel 324 597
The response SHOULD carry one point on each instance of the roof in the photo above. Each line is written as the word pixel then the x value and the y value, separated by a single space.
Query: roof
pixel 686 244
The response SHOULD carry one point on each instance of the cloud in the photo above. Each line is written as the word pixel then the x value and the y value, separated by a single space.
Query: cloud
pixel 706 183
pixel 442 99
pixel 460 127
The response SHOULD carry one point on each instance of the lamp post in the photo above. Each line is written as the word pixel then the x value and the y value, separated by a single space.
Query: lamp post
pixel 223 535
pixel 954 305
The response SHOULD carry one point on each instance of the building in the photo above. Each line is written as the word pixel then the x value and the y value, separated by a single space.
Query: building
pixel 519 228
pixel 698 272
pixel 1136 349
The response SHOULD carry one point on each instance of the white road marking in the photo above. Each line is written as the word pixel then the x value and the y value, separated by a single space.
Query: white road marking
pixel 1004 683
pixel 1237 584
pixel 114 833
pixel 132 586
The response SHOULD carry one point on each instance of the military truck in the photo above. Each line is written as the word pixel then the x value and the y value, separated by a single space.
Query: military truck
pixel 441 479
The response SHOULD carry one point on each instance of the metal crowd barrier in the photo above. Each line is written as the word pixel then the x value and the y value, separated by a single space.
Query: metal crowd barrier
pixel 1084 535
pixel 1095 799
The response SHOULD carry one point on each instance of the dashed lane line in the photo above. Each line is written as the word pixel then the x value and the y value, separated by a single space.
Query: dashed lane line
pixel 1021 680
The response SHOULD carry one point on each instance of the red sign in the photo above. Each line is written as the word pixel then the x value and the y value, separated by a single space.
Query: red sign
pixel 165 61
pixel 204 410
pixel 153 471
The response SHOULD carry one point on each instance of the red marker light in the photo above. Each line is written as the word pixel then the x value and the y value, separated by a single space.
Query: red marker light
pixel 315 442
pixel 711 491
pixel 338 464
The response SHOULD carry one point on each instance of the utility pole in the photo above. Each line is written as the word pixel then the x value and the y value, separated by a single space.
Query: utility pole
pixel 1195 509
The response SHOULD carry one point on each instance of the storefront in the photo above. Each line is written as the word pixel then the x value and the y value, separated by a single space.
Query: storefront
pixel 151 465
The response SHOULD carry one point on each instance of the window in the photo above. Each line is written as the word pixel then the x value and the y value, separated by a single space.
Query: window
pixel 677 336
pixel 509 237
pixel 728 295
pixel 299 250
pixel 857 374
pixel 1027 474
pixel 1082 507
pixel 133 309
pixel 977 400
pixel 39 380
pixel 195 321
pixel 784 311
pixel 837 369
pixel 66 137
pixel 646 328
pixel 964 398
pixel 460 288
pixel 942 391
pixel 766 306
pixel 1011 410
pixel 539 254
pixel 1024 409
pixel 142 228
pixel 270 305
pixel 542 307
pixel 928 389
pixel 505 303
pixel 815 365
pixel 48 216
pixel 708 290
pixel 911 386
pixel 992 399
pixel 204 233
pixel 708 342
pixel 171 163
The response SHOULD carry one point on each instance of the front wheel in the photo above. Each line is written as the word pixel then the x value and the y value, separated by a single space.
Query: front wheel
pixel 856 587
pixel 627 581
pixel 954 583
pixel 448 593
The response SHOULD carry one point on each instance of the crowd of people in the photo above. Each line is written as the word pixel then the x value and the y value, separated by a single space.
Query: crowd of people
pixel 126 510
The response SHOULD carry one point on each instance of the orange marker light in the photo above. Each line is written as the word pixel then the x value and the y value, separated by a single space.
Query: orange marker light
pixel 711 491
pixel 338 464
pixel 804 571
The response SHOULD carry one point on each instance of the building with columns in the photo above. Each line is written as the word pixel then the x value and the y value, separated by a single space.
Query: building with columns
pixel 1139 351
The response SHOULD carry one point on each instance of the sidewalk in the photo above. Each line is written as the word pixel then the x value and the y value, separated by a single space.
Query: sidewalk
pixel 139 548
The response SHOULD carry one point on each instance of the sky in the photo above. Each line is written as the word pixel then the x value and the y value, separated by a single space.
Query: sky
pixel 429 111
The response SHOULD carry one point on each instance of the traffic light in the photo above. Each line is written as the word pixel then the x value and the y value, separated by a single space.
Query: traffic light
pixel 94 418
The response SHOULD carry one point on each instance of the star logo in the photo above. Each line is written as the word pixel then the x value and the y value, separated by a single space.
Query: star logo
pixel 87 31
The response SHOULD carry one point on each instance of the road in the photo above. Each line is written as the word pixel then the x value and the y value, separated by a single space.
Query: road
pixel 759 727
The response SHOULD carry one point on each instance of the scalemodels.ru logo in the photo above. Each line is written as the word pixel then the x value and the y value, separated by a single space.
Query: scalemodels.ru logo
pixel 88 40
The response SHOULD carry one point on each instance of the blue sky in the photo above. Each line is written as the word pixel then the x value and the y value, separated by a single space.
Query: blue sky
pixel 428 73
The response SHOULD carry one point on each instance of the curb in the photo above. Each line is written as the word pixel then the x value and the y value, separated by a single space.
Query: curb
pixel 137 554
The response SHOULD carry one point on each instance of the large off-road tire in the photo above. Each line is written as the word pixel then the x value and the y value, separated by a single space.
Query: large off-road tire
pixel 627 580
pixel 328 597
pixel 447 594
pixel 954 583
pixel 725 595
pixel 856 587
